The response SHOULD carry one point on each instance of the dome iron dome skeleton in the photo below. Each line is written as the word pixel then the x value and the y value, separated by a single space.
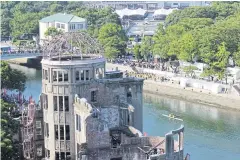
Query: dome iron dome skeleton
pixel 72 44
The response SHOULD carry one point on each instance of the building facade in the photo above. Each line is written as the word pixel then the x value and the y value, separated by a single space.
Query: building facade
pixel 61 21
pixel 148 5
pixel 92 114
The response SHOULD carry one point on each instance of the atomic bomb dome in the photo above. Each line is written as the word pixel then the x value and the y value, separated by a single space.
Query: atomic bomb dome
pixel 72 45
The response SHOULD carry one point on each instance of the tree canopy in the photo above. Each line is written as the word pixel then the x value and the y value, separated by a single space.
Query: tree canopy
pixel 204 34
pixel 15 15
pixel 12 79
pixel 113 39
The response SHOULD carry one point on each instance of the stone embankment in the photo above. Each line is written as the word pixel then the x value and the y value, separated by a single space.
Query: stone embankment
pixel 28 62
pixel 194 95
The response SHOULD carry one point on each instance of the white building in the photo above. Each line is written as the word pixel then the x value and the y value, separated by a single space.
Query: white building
pixel 148 5
pixel 61 21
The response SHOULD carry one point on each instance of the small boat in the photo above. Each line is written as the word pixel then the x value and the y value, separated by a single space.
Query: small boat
pixel 172 116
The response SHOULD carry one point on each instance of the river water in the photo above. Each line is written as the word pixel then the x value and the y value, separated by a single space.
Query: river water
pixel 210 133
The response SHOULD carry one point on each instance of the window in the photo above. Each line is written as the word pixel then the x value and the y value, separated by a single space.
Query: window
pixel 39 150
pixel 55 103
pixel 119 158
pixel 68 155
pixel 60 103
pixel 77 76
pixel 94 96
pixel 54 76
pixel 82 75
pixel 78 122
pixel 61 132
pixel 56 131
pixel 56 156
pixel 46 74
pixel 46 133
pixel 58 25
pixel 44 99
pixel 65 77
pixel 63 26
pixel 115 138
pixel 72 26
pixel 87 75
pixel 60 76
pixel 79 26
pixel 67 130
pixel 66 103
pixel 38 128
pixel 62 155
pixel 47 153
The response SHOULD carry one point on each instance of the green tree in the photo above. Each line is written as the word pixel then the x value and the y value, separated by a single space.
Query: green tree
pixel 52 31
pixel 190 70
pixel 112 36
pixel 9 127
pixel 187 48
pixel 137 52
pixel 146 47
pixel 237 57
pixel 11 78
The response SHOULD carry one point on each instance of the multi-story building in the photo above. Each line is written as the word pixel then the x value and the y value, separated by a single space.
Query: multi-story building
pixel 148 5
pixel 61 21
pixel 93 114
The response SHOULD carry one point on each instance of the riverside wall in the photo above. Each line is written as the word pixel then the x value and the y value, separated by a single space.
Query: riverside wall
pixel 225 101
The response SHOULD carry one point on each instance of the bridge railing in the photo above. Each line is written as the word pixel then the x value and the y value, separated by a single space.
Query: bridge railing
pixel 14 52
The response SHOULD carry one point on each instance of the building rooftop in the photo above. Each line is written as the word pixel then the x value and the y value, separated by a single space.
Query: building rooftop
pixel 62 17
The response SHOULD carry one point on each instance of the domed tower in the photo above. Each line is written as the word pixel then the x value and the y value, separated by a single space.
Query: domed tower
pixel 73 64
pixel 69 59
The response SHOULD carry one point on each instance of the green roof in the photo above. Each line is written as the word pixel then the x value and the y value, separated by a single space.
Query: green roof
pixel 62 17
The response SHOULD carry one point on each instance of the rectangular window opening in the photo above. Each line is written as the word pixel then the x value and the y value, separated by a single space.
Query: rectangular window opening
pixel 60 76
pixel 62 155
pixel 54 76
pixel 94 96
pixel 67 129
pixel 61 132
pixel 82 75
pixel 87 75
pixel 46 130
pixel 66 100
pixel 56 132
pixel 65 77
pixel 38 128
pixel 68 156
pixel 57 155
pixel 77 75
pixel 63 26
pixel 55 103
pixel 60 103
pixel 46 74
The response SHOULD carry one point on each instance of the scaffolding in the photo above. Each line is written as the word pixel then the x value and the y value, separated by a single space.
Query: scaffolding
pixel 28 130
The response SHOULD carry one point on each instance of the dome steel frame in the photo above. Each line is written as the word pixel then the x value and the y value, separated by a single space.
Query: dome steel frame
pixel 71 44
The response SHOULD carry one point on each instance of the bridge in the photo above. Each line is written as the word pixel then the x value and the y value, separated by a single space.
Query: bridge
pixel 20 54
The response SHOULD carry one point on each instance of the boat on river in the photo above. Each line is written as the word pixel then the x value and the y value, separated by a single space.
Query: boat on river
pixel 172 116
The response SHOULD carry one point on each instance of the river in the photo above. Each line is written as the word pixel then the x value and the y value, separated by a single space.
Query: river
pixel 210 133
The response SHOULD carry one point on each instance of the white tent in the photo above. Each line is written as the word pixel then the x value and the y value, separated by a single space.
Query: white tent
pixel 217 88
pixel 163 11
pixel 184 82
pixel 129 12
